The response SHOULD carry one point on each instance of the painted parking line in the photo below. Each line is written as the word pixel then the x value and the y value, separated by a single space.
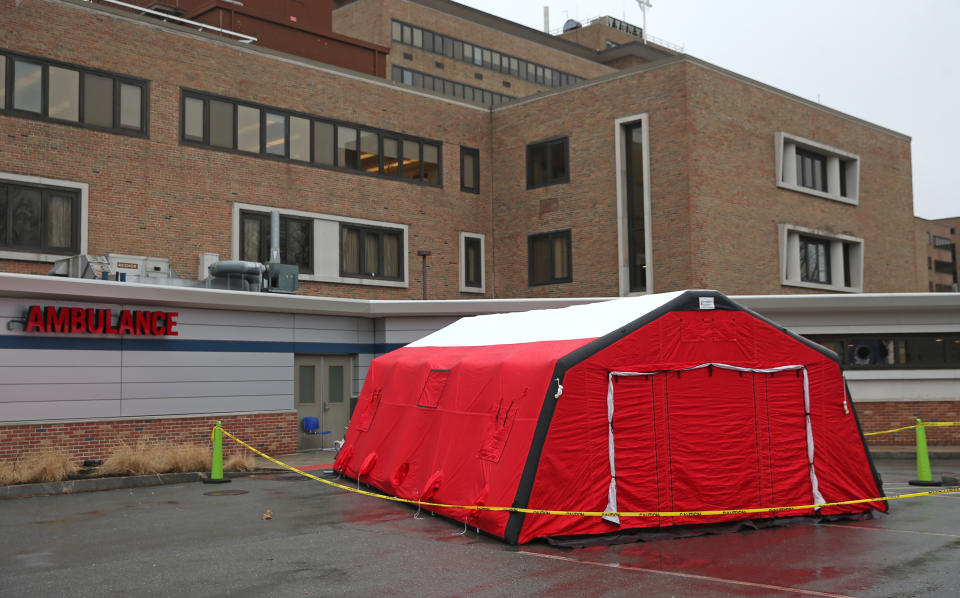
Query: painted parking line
pixel 888 529
pixel 736 582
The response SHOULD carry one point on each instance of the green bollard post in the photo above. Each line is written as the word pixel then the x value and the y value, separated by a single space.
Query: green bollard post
pixel 216 462
pixel 924 477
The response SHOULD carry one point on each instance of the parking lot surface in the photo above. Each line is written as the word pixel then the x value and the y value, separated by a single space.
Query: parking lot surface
pixel 320 541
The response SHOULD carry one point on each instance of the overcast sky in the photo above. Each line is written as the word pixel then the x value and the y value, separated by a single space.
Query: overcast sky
pixel 894 64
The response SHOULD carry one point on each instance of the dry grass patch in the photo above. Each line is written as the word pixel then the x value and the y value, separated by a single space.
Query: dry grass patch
pixel 242 462
pixel 48 466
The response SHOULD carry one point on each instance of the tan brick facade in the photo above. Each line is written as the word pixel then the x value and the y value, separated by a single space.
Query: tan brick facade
pixel 715 200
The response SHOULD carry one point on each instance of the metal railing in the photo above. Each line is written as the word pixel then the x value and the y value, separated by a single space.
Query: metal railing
pixel 241 37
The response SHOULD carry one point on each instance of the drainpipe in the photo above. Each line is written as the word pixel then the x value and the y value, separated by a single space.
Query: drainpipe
pixel 423 253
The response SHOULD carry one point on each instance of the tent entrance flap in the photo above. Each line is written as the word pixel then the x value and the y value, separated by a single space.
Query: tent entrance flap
pixel 712 437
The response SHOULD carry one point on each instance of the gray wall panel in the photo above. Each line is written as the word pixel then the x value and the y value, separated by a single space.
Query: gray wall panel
pixel 162 373
pixel 57 375
pixel 214 317
pixel 17 393
pixel 305 322
pixel 205 359
pixel 164 390
pixel 184 405
pixel 233 333
pixel 50 358
pixel 326 336
pixel 25 411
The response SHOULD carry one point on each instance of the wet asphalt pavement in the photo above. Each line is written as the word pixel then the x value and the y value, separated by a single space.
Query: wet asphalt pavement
pixel 177 541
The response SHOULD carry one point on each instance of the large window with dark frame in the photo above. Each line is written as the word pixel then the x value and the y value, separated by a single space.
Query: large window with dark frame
pixel 371 252
pixel 894 351
pixel 44 89
pixel 548 162
pixel 447 87
pixel 488 58
pixel 39 219
pixel 812 170
pixel 469 170
pixel 814 260
pixel 296 240
pixel 231 125
pixel 472 261
pixel 550 257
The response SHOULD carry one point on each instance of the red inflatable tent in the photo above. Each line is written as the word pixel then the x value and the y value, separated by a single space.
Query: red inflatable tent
pixel 671 402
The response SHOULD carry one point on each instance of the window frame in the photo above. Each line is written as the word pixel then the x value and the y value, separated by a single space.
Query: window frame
pixel 379 231
pixel 327 244
pixel 118 79
pixel 548 144
pixel 464 286
pixel 848 165
pixel 846 255
pixel 313 119
pixel 79 224
pixel 550 235
pixel 264 218
pixel 475 153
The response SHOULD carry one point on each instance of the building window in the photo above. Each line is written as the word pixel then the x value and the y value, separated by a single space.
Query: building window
pixel 895 351
pixel 817 169
pixel 41 219
pixel 814 259
pixel 488 58
pixel 296 240
pixel 368 252
pixel 230 125
pixel 447 87
pixel 44 89
pixel 820 260
pixel 471 263
pixel 547 163
pixel 469 170
pixel 550 257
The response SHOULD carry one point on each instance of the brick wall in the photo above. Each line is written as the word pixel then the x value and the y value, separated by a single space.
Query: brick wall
pixel 156 197
pixel 370 20
pixel 273 433
pixel 878 416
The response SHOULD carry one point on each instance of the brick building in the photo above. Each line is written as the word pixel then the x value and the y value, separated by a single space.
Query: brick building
pixel 938 240
pixel 446 154
pixel 526 164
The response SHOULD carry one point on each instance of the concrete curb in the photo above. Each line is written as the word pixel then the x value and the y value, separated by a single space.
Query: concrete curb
pixel 97 484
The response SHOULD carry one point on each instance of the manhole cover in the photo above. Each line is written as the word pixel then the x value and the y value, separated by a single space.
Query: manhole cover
pixel 225 492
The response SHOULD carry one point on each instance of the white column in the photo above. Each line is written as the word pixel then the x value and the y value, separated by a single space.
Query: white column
pixel 789 164
pixel 833 175
pixel 836 263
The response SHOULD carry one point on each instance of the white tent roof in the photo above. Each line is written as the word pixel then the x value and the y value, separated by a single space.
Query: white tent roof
pixel 588 321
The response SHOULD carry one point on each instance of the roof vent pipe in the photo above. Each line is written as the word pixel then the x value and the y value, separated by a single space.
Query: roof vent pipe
pixel 275 236
pixel 546 19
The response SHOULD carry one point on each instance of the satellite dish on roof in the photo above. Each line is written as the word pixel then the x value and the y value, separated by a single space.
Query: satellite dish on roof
pixel 570 25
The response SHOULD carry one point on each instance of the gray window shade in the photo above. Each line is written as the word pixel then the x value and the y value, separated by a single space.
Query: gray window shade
pixel 250 249
pixel 369 151
pixel 248 129
pixel 411 159
pixel 58 221
pixel 391 255
pixel 25 218
pixel 431 163
pixel 323 143
pixel 472 276
pixel 131 106
pixel 469 166
pixel 276 133
pixel 299 139
pixel 27 86
pixel 3 214
pixel 540 256
pixel 221 124
pixel 193 119
pixel 347 147
pixel 3 85
pixel 350 252
pixel 371 254
pixel 391 164
pixel 97 100
pixel 64 94
pixel 537 166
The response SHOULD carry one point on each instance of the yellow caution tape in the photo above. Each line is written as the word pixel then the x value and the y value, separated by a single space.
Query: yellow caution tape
pixel 924 424
pixel 583 513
